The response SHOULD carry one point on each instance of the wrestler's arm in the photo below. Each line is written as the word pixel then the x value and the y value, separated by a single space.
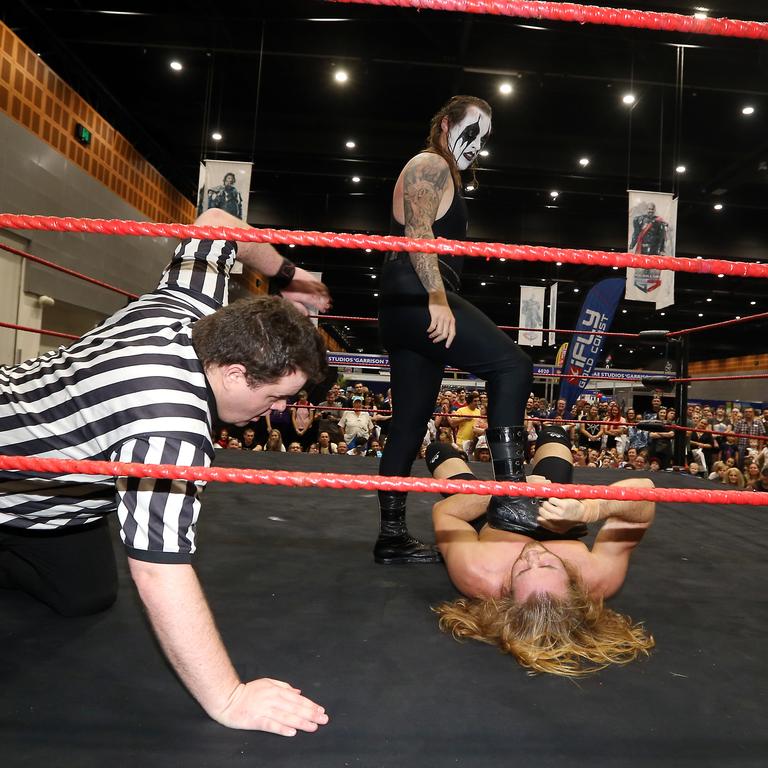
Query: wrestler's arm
pixel 303 291
pixel 625 525
pixel 425 181
pixel 185 628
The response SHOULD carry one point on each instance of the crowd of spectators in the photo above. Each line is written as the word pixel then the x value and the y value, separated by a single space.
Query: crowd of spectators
pixel 721 445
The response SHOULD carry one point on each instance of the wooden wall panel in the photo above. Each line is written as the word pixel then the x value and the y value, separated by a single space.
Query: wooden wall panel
pixel 35 96
pixel 745 363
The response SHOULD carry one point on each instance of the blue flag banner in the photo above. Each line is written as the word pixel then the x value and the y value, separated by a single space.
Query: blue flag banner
pixel 585 347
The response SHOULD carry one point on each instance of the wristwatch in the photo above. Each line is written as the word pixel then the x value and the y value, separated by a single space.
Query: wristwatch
pixel 283 277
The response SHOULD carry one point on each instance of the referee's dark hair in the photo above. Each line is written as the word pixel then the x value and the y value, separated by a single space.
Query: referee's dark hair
pixel 267 335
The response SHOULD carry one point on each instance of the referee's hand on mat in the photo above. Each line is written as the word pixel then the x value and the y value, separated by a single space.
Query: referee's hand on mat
pixel 272 706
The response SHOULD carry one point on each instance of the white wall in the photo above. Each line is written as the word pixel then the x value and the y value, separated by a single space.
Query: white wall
pixel 36 179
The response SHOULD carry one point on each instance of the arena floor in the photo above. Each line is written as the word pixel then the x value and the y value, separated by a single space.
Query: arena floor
pixel 297 596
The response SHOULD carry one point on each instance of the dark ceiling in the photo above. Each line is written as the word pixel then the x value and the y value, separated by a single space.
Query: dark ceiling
pixel 262 74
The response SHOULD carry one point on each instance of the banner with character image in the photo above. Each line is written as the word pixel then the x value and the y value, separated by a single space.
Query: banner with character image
pixel 652 231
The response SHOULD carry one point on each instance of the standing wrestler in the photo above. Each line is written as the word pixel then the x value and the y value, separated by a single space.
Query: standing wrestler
pixel 537 592
pixel 425 325
pixel 147 385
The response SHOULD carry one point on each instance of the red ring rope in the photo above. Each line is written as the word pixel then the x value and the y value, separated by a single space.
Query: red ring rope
pixel 389 243
pixel 41 331
pixel 66 271
pixel 374 482
pixel 588 14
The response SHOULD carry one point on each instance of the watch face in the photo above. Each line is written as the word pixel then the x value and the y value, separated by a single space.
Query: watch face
pixel 467 137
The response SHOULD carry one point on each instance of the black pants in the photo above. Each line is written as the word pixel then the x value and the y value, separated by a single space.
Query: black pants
pixel 416 364
pixel 72 571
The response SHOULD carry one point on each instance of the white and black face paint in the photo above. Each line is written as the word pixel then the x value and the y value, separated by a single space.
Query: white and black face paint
pixel 467 137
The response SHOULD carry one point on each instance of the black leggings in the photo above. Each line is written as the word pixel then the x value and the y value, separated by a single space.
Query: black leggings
pixel 417 365
pixel 71 570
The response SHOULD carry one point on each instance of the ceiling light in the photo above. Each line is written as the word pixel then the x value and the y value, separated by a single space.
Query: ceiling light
pixel 292 245
pixel 505 88
pixel 505 260
pixel 368 250
pixel 623 311
pixel 614 268
pixel 753 303
pixel 554 194
pixel 584 162
pixel 376 295
pixel 340 76
pixel 721 275
pixel 718 206
pixel 748 110
pixel 355 179
pixel 351 144
pixel 575 290
pixel 680 169
pixel 373 277
pixel 701 314
pixel 484 153
pixel 559 264
pixel 709 299
pixel 738 317
pixel 216 136
pixel 629 98
pixel 176 66
pixel 482 283
pixel 469 188
pixel 700 15
pixel 662 313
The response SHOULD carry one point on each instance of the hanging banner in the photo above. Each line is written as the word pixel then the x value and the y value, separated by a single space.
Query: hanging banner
pixel 224 185
pixel 652 231
pixel 585 347
pixel 552 313
pixel 531 315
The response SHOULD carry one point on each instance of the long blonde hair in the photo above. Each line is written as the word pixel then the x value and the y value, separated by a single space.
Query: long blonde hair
pixel 572 636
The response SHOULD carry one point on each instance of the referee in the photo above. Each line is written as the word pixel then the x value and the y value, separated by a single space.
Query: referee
pixel 147 386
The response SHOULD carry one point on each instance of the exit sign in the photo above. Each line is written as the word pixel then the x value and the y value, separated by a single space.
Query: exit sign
pixel 82 134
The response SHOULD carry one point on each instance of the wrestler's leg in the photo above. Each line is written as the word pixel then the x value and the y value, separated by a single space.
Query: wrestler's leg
pixel 483 349
pixel 446 463
pixel 72 571
pixel 553 458
pixel 553 462
pixel 415 382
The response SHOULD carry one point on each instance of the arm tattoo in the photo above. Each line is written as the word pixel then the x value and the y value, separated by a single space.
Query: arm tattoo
pixel 424 183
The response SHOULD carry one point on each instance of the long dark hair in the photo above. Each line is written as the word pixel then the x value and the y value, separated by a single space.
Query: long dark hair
pixel 455 110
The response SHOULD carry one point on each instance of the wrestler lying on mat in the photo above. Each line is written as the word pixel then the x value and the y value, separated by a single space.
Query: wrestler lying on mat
pixel 533 589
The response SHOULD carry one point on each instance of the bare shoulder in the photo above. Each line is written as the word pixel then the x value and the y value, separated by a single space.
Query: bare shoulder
pixel 428 161
pixel 427 167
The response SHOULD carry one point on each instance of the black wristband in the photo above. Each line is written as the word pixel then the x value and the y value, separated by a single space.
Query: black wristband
pixel 284 276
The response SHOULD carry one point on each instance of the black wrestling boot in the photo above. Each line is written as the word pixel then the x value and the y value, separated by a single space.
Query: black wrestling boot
pixel 510 513
pixel 395 545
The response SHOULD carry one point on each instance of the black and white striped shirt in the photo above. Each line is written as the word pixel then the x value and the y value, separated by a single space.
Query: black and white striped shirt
pixel 132 389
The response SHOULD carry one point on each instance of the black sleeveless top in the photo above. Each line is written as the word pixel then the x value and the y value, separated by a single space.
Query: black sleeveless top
pixel 452 226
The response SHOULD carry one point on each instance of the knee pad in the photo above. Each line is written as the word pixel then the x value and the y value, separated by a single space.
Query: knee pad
pixel 437 453
pixel 553 434
pixel 460 476
pixel 555 469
